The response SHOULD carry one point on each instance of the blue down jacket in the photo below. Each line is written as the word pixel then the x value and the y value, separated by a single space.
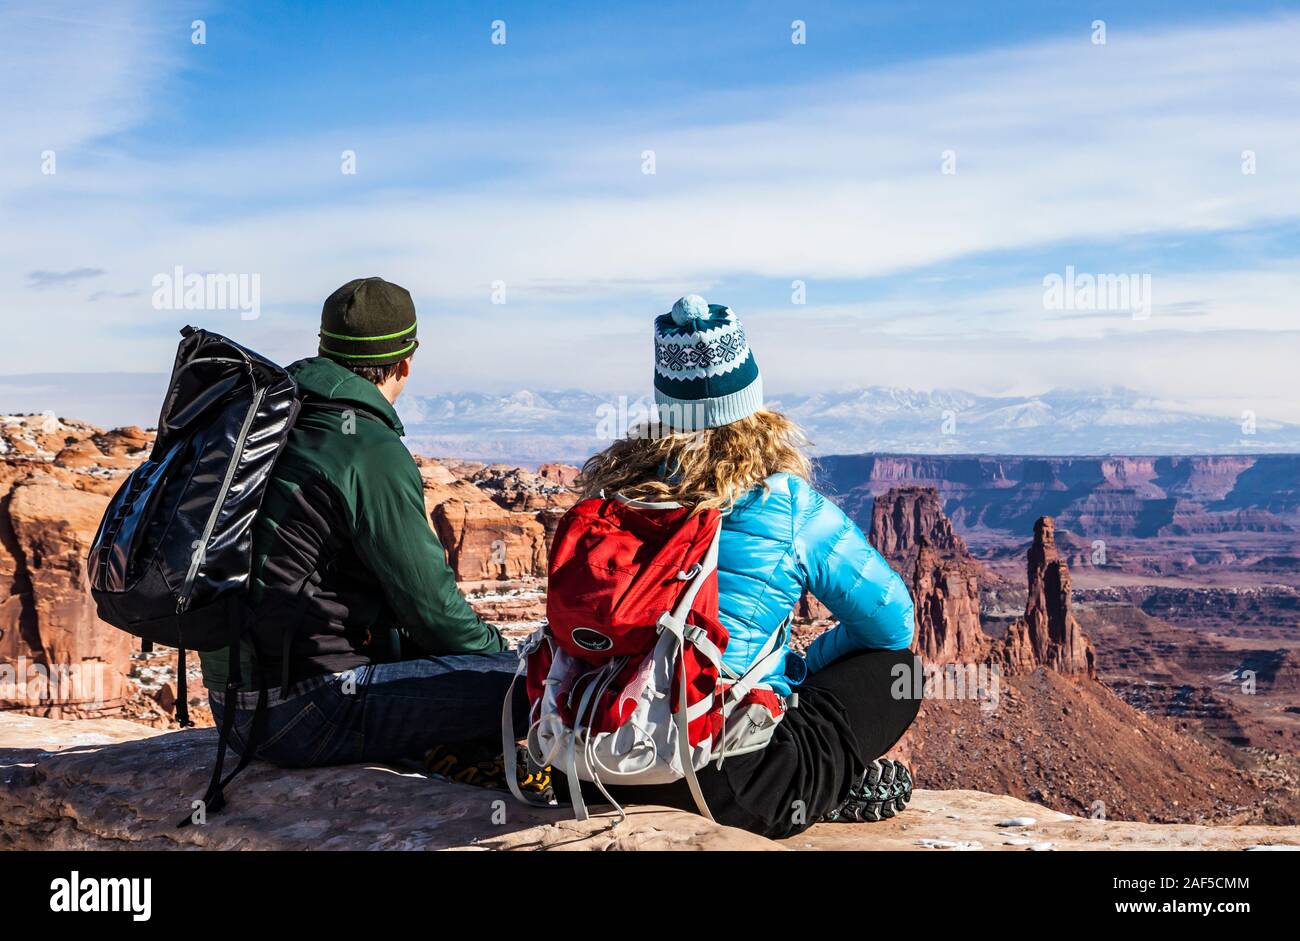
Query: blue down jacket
pixel 774 547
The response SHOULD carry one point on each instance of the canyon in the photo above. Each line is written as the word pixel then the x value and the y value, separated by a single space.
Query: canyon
pixel 1089 496
pixel 1109 680
pixel 911 531
pixel 1211 542
pixel 1036 717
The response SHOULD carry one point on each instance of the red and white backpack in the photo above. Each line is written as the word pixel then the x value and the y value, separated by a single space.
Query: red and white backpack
pixel 626 682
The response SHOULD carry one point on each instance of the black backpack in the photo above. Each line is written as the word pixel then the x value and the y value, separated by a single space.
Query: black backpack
pixel 171 561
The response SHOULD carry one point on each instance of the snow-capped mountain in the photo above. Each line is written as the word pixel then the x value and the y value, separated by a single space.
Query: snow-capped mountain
pixel 569 424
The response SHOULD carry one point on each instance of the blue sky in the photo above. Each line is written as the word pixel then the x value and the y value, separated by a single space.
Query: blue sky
pixel 523 164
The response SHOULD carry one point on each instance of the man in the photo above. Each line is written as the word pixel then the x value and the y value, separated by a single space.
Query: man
pixel 367 647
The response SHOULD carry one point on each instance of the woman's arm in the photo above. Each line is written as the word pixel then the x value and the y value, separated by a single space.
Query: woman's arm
pixel 846 574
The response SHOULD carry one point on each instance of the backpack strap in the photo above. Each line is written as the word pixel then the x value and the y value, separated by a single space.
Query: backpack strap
pixel 769 657
pixel 698 574
pixel 675 624
pixel 214 798
pixel 571 758
pixel 508 744
pixel 598 683
pixel 182 692
pixel 682 720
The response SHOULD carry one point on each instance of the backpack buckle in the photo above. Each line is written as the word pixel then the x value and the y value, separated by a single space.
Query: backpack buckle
pixel 668 623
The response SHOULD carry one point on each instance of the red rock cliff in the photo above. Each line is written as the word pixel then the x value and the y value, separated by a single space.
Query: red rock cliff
pixel 59 660
pixel 909 528
pixel 494 522
pixel 903 518
pixel 946 596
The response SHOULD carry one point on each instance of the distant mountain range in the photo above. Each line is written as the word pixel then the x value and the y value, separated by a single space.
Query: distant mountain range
pixel 567 425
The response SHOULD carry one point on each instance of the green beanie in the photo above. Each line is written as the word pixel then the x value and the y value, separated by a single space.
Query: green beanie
pixel 368 322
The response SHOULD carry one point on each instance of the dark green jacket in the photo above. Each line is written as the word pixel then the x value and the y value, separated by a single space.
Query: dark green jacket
pixel 344 557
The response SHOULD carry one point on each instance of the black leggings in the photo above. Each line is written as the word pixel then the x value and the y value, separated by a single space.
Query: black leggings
pixel 848 714
pixel 879 690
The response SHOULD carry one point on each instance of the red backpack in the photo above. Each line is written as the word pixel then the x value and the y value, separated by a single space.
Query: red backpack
pixel 624 680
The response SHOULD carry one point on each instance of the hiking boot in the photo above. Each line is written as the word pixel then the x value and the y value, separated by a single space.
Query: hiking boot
pixel 476 763
pixel 481 764
pixel 534 779
pixel 884 789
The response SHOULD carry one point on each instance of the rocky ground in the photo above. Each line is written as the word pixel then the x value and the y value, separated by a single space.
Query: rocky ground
pixel 112 784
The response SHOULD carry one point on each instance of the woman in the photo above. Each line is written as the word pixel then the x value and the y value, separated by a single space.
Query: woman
pixel 717 447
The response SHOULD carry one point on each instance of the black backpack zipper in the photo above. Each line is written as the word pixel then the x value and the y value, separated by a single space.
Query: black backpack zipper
pixel 200 553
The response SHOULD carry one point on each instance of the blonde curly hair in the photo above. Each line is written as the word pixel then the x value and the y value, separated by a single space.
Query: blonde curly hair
pixel 714 467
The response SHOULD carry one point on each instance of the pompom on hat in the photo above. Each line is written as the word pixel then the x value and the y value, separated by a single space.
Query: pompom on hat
pixel 705 372
pixel 689 308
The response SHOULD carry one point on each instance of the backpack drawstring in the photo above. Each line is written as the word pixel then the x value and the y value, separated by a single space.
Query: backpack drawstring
pixel 582 727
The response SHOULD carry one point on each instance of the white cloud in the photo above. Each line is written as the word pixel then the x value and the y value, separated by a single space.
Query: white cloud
pixel 72 73
pixel 1056 143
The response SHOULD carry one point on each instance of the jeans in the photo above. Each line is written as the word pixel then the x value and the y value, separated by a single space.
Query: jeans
pixel 383 712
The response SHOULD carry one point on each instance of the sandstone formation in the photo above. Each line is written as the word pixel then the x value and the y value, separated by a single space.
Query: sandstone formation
pixel 49 618
pixel 1049 635
pixel 121 785
pixel 56 657
pixel 484 541
pixel 1231 519
pixel 517 606
pixel 946 597
pixel 958 820
pixel 517 489
pixel 550 522
pixel 904 517
pixel 810 609
pixel 125 786
pixel 566 475
pixel 1268 611
pixel 1077 747
pixel 495 522
pixel 910 529
pixel 1205 684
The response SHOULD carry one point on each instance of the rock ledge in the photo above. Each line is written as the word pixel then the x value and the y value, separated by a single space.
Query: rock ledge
pixel 112 784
